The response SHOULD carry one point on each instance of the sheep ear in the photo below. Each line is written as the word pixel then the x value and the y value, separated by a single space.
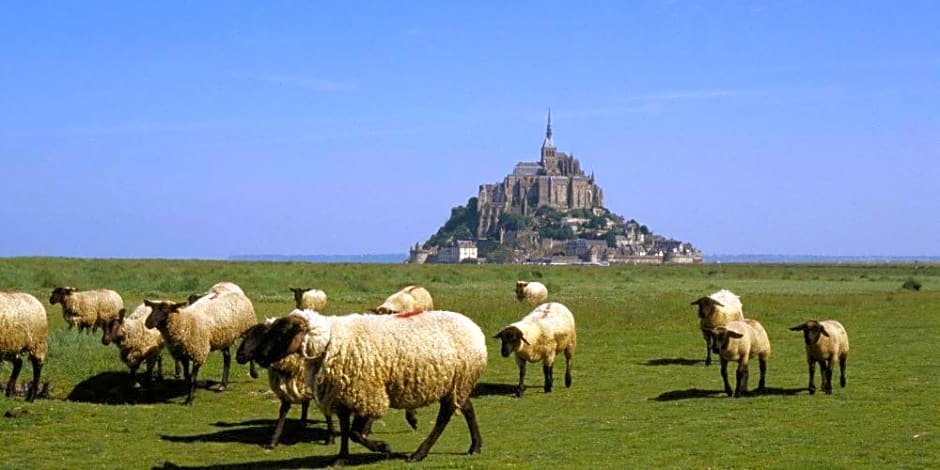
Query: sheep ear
pixel 698 301
pixel 801 326
pixel 823 331
pixel 523 339
pixel 149 303
pixel 734 334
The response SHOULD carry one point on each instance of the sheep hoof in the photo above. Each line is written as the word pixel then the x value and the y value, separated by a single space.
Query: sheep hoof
pixel 812 390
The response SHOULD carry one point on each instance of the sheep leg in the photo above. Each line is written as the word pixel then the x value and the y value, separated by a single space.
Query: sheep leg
pixel 134 379
pixel 17 365
pixel 252 371
pixel 740 385
pixel 476 442
pixel 37 371
pixel 763 373
pixel 192 385
pixel 812 377
pixel 159 362
pixel 448 407
pixel 357 435
pixel 412 417
pixel 279 425
pixel 708 347
pixel 842 372
pixel 724 376
pixel 304 408
pixel 827 379
pixel 226 364
pixel 568 368
pixel 549 380
pixel 330 430
pixel 520 389
pixel 344 431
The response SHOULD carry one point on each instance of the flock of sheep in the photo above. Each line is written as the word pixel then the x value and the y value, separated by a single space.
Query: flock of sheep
pixel 403 355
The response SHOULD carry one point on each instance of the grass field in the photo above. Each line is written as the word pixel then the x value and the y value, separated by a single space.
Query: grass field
pixel 641 397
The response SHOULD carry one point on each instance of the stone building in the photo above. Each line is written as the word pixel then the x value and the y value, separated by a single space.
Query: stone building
pixel 556 181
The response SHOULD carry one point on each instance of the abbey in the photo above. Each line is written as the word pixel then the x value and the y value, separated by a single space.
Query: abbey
pixel 556 181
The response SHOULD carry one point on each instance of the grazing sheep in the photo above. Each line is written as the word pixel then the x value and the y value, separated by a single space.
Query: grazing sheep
pixel 211 324
pixel 216 290
pixel 361 365
pixel 410 299
pixel 23 329
pixel 309 299
pixel 531 292
pixel 714 311
pixel 739 341
pixel 825 341
pixel 87 309
pixel 539 336
pixel 136 343
pixel 286 379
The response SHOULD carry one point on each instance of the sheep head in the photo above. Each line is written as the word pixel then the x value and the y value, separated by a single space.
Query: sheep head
pixel 113 331
pixel 720 336
pixel 706 306
pixel 512 339
pixel 60 293
pixel 520 289
pixel 298 294
pixel 250 342
pixel 193 298
pixel 160 311
pixel 284 337
pixel 812 330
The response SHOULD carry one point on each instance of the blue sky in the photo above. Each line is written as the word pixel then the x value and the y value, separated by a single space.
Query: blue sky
pixel 209 129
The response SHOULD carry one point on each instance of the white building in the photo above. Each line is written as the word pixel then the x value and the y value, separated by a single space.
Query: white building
pixel 457 252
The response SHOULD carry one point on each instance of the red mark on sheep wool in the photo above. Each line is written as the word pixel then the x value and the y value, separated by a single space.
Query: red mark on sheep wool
pixel 408 314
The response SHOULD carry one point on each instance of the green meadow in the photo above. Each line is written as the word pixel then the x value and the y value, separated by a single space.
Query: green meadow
pixel 641 395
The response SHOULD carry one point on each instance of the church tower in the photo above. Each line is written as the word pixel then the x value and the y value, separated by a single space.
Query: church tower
pixel 549 160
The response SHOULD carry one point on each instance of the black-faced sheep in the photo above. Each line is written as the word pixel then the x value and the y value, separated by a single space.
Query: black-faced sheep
pixel 539 336
pixel 362 365
pixel 409 299
pixel 87 309
pixel 826 341
pixel 286 379
pixel 211 324
pixel 23 329
pixel 532 292
pixel 136 343
pixel 739 341
pixel 309 299
pixel 716 310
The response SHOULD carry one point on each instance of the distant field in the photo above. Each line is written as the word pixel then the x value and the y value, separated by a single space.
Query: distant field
pixel 641 397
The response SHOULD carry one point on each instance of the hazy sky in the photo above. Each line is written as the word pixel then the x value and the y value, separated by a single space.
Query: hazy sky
pixel 208 129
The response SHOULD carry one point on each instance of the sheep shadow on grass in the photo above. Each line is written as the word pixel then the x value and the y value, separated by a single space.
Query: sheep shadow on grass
pixel 115 388
pixel 700 393
pixel 258 432
pixel 486 389
pixel 673 361
pixel 320 461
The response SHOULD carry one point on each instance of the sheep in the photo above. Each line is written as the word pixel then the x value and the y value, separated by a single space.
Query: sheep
pixel 409 299
pixel 531 292
pixel 714 311
pixel 825 341
pixel 309 299
pixel 23 329
pixel 739 341
pixel 87 309
pixel 286 379
pixel 539 336
pixel 211 324
pixel 363 364
pixel 216 290
pixel 136 343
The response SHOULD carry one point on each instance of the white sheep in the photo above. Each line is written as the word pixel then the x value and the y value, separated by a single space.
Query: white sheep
pixel 410 299
pixel 309 299
pixel 217 289
pixel 739 341
pixel 23 329
pixel 361 365
pixel 717 310
pixel 531 292
pixel 87 309
pixel 826 341
pixel 539 336
pixel 211 324
pixel 136 343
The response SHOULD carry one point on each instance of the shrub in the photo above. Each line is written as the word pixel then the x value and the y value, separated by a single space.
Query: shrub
pixel 911 284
